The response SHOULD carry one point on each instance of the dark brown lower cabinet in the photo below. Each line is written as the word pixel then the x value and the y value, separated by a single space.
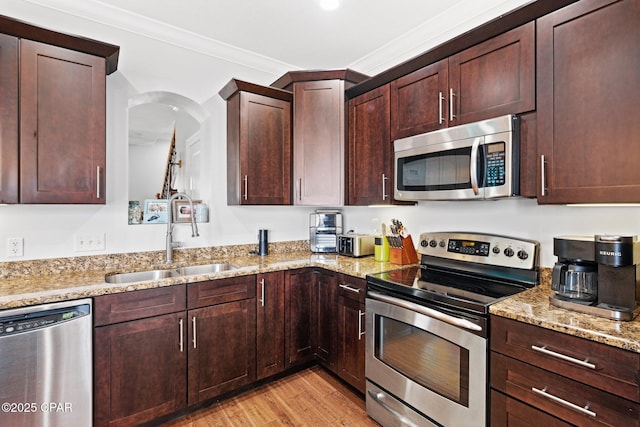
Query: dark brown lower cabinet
pixel 300 320
pixel 222 352
pixel 326 305
pixel 140 371
pixel 156 354
pixel 351 330
pixel 270 324
pixel 546 376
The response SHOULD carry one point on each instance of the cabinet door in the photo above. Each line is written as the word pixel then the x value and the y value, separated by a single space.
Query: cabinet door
pixel 140 370
pixel 270 324
pixel 264 152
pixel 8 119
pixel 222 349
pixel 326 327
pixel 370 149
pixel 318 143
pixel 494 78
pixel 588 57
pixel 300 319
pixel 62 125
pixel 351 342
pixel 419 101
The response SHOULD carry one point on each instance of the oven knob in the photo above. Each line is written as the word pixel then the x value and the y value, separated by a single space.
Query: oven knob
pixel 424 243
pixel 508 252
pixel 442 244
pixel 433 243
pixel 522 254
pixel 496 250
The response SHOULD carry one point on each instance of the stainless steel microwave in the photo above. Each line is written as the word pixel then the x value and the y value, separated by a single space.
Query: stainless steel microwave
pixel 473 161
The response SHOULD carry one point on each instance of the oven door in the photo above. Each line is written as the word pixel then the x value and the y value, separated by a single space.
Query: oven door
pixel 431 361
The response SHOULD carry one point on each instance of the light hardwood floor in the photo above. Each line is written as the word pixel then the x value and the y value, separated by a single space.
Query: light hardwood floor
pixel 311 397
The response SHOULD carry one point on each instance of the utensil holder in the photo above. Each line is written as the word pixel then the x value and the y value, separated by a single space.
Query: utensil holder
pixel 403 252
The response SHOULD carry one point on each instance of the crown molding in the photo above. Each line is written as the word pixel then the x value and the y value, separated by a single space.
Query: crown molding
pixel 140 25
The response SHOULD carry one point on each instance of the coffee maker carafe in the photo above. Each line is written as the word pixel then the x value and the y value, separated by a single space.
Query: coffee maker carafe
pixel 597 275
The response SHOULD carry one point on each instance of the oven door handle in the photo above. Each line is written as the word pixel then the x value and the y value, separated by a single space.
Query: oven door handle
pixel 455 321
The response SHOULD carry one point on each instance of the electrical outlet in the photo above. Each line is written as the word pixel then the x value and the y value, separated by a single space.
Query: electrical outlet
pixel 89 242
pixel 15 247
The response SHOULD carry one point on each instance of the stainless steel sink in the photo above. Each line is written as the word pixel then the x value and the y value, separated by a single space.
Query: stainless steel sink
pixel 151 275
pixel 206 269
pixel 140 276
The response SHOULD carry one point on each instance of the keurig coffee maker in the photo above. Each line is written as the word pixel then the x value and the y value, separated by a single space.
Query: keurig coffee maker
pixel 597 275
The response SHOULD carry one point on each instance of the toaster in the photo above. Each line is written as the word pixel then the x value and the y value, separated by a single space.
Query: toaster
pixel 355 245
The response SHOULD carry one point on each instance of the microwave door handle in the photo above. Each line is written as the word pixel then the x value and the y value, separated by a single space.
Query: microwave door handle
pixel 473 167
pixel 429 312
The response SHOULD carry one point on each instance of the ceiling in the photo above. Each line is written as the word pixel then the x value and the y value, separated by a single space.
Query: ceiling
pixel 295 32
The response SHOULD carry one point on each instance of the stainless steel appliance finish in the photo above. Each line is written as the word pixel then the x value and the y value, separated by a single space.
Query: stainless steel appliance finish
pixel 46 365
pixel 597 275
pixel 355 245
pixel 324 228
pixel 427 327
pixel 473 161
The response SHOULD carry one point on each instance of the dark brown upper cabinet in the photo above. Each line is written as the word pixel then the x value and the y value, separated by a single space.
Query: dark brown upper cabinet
pixel 258 144
pixel 9 119
pixel 53 115
pixel 493 78
pixel 588 91
pixel 370 152
pixel 62 125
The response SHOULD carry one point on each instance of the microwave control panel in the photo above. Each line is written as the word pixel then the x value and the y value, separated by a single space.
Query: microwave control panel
pixel 496 164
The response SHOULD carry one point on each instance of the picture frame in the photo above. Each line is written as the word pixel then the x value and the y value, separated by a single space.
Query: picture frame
pixel 155 211
pixel 182 210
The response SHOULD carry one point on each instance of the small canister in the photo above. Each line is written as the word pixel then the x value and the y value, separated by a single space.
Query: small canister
pixel 381 249
pixel 263 242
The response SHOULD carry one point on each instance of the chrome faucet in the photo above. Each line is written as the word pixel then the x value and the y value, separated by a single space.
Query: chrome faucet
pixel 194 225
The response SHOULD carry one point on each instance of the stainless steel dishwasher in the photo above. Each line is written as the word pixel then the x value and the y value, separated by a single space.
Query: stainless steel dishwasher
pixel 46 365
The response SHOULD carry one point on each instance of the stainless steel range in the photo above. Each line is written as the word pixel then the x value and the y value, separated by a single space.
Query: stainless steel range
pixel 427 353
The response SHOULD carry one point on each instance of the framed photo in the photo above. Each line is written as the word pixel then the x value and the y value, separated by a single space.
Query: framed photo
pixel 182 210
pixel 155 211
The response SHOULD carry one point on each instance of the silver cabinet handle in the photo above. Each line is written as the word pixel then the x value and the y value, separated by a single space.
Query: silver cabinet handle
pixel 384 187
pixel 262 293
pixel 97 182
pixel 360 331
pixel 563 357
pixel 181 335
pixel 299 188
pixel 451 95
pixel 473 166
pixel 543 172
pixel 438 315
pixel 350 288
pixel 246 187
pixel 440 116
pixel 193 321
pixel 584 410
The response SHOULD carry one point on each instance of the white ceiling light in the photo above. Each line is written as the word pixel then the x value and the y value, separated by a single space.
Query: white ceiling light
pixel 329 4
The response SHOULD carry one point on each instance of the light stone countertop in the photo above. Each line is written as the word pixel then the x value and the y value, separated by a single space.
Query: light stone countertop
pixel 532 306
pixel 52 286
pixel 43 281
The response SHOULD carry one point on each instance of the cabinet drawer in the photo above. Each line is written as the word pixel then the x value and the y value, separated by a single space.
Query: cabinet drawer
pixel 556 394
pixel 134 305
pixel 213 292
pixel 352 287
pixel 506 411
pixel 607 368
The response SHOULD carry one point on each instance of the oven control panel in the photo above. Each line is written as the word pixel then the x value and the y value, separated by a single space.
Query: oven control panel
pixel 481 248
